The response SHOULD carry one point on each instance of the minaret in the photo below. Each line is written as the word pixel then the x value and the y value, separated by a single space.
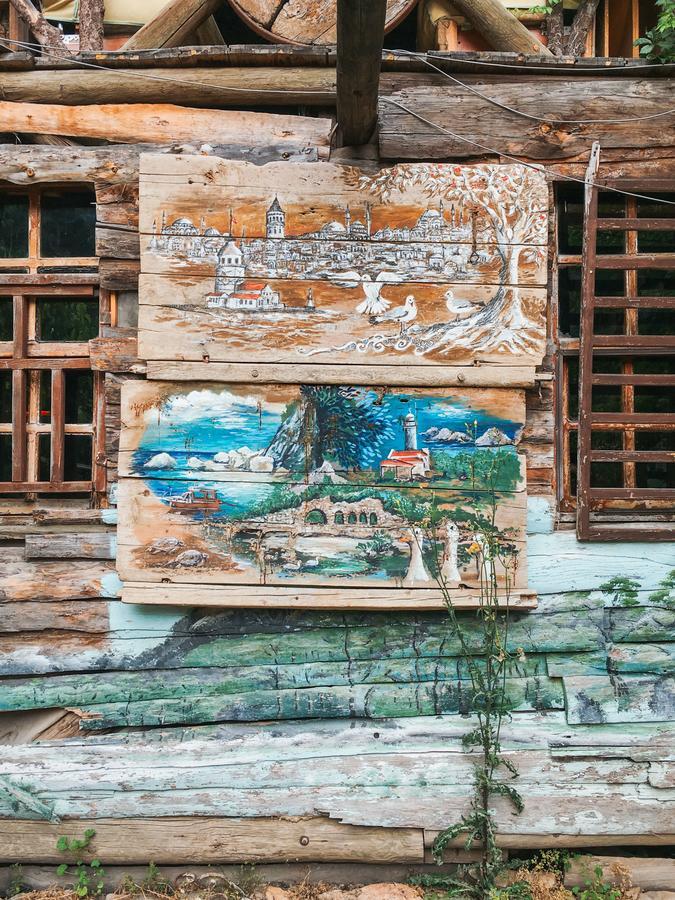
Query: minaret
pixel 369 219
pixel 410 432
pixel 348 220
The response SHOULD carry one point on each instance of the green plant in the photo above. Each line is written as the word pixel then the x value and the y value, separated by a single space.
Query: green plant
pixel 595 888
pixel 16 885
pixel 487 666
pixel 659 42
pixel 88 875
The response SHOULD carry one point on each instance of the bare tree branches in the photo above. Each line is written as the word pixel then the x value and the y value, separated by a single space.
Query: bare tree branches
pixel 45 34
pixel 91 24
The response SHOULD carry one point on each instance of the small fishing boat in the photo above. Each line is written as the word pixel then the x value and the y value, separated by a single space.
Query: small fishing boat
pixel 195 499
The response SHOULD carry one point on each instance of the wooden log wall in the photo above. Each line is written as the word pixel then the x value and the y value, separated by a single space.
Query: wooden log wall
pixel 177 727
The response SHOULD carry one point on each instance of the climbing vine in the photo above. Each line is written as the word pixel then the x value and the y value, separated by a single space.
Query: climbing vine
pixel 487 665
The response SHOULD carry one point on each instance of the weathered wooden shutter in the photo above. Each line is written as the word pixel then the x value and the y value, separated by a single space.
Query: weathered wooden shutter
pixel 336 364
pixel 602 510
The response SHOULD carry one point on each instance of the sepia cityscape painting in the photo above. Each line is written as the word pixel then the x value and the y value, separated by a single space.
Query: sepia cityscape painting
pixel 319 485
pixel 419 264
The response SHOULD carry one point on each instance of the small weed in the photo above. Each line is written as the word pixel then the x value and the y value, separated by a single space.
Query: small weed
pixel 88 876
pixel 16 885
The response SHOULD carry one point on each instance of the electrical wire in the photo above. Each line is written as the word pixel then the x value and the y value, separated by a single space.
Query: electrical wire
pixel 538 168
pixel 519 112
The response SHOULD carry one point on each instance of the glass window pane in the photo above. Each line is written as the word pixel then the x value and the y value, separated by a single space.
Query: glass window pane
pixel 77 457
pixel 572 365
pixel 79 397
pixel 606 440
pixel 66 319
pixel 569 299
pixel 5 396
pixel 656 321
pixel 44 457
pixel 67 223
pixel 655 440
pixel 655 475
pixel 607 365
pixel 657 208
pixel 570 217
pixel 608 242
pixel 608 321
pixel 5 457
pixel 656 241
pixel 13 226
pixel 650 399
pixel 6 318
pixel 609 283
pixel 45 397
pixel 611 205
pixel 606 475
pixel 654 365
pixel 573 443
pixel 606 398
pixel 656 282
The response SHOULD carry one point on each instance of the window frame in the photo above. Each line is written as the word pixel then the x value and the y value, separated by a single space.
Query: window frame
pixel 27 359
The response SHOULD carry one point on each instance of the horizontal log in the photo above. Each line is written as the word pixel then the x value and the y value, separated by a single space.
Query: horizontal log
pixel 204 87
pixel 177 840
pixel 65 615
pixel 470 117
pixel 651 874
pixel 116 354
pixel 95 545
pixel 137 123
pixel 119 274
pixel 22 579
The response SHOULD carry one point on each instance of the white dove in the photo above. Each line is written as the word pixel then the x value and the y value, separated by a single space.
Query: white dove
pixel 374 305
pixel 460 309
pixel 404 315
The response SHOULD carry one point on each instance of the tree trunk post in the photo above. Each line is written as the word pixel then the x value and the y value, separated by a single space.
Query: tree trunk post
pixel 91 25
pixel 555 29
pixel 360 36
pixel 45 34
pixel 499 27
pixel 582 24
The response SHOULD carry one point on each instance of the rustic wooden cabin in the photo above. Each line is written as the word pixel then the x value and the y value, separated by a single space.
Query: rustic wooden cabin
pixel 270 302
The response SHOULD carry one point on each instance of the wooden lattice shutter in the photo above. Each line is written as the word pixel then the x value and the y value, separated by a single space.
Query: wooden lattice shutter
pixel 602 510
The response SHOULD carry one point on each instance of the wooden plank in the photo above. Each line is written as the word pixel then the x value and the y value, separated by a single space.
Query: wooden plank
pixel 360 35
pixel 153 594
pixel 215 840
pixel 138 122
pixel 500 27
pixel 629 698
pixel 59 615
pixel 402 136
pixel 215 86
pixel 58 408
pixel 47 581
pixel 271 373
pixel 94 545
pixel 341 282
pixel 173 24
pixel 651 873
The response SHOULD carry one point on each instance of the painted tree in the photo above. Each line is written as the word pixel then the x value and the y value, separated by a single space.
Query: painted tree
pixel 513 214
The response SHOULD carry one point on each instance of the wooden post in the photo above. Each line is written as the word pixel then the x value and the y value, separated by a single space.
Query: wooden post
pixel 91 24
pixel 555 29
pixel 45 34
pixel 360 35
pixel 173 24
pixel 581 26
pixel 499 27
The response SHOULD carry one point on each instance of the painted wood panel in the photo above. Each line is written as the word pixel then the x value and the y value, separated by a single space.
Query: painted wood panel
pixel 417 265
pixel 322 487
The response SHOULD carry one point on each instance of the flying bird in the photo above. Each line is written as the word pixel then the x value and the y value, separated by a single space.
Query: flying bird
pixel 461 309
pixel 404 315
pixel 374 305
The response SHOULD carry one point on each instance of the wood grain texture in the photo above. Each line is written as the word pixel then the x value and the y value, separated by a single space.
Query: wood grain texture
pixel 404 137
pixel 172 24
pixel 138 122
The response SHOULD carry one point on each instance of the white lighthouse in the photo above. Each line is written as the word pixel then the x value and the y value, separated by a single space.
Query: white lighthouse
pixel 410 432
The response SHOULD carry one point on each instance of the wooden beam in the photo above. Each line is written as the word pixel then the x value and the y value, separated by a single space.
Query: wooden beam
pixel 192 840
pixel 500 27
pixel 44 33
pixel 163 123
pixel 215 86
pixel 173 24
pixel 360 35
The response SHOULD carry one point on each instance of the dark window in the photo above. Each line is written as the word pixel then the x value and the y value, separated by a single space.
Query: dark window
pixel 67 223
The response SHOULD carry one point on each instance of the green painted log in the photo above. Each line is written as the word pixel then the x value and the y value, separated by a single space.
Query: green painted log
pixel 128 687
pixel 369 701
pixel 620 698
pixel 640 623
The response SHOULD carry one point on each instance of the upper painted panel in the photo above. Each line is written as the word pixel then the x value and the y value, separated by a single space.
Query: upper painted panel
pixel 288 263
